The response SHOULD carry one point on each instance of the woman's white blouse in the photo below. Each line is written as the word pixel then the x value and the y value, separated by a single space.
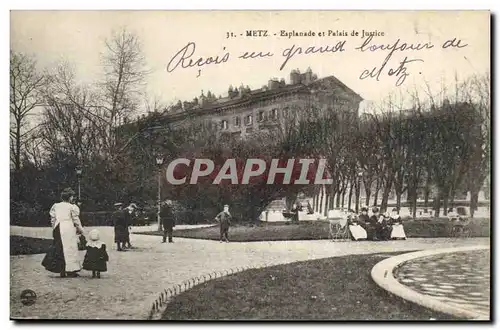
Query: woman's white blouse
pixel 65 212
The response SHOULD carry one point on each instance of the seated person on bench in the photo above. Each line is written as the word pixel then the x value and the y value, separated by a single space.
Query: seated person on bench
pixel 397 231
pixel 357 232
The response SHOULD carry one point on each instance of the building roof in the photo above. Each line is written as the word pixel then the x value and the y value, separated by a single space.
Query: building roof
pixel 255 96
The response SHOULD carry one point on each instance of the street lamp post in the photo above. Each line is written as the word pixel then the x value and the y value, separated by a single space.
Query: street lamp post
pixel 358 188
pixel 159 163
pixel 78 175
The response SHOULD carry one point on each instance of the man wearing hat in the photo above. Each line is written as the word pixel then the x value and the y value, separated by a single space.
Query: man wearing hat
pixel 374 228
pixel 224 220
pixel 363 218
pixel 121 227
pixel 167 220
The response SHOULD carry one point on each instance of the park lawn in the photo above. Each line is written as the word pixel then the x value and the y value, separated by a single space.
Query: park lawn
pixel 338 288
pixel 28 245
pixel 271 232
pixel 315 230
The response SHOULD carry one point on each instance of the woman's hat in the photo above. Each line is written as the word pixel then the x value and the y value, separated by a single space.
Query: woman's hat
pixel 375 210
pixel 94 235
pixel 364 209
pixel 68 191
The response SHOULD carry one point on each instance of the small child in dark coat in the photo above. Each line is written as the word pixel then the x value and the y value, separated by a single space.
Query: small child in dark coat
pixel 96 256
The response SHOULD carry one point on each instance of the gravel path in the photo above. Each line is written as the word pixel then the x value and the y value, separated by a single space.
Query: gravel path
pixel 136 277
pixel 459 279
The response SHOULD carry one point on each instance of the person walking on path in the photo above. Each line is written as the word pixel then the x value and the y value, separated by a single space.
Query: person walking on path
pixel 120 224
pixel 168 221
pixel 129 214
pixel 96 256
pixel 63 257
pixel 224 220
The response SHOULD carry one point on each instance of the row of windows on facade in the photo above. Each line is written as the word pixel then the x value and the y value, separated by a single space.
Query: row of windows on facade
pixel 248 120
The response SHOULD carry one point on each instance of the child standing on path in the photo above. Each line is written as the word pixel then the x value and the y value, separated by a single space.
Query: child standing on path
pixel 96 256
pixel 224 220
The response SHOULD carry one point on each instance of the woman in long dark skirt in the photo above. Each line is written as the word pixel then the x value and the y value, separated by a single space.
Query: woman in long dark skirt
pixel 63 256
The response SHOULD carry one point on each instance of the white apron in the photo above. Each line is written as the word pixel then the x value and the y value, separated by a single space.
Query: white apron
pixel 66 215
pixel 398 231
pixel 357 232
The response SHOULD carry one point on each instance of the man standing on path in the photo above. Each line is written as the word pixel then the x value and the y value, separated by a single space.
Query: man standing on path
pixel 224 220
pixel 168 221
pixel 121 227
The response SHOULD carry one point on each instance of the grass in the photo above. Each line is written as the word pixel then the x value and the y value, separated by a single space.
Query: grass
pixel 313 230
pixel 275 232
pixel 338 288
pixel 27 245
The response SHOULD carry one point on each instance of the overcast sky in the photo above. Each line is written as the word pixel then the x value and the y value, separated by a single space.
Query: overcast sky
pixel 77 37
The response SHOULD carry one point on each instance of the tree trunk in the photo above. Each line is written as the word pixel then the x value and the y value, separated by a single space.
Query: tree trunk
pixel 398 200
pixel 339 194
pixel 327 199
pixel 427 190
pixel 321 201
pixel 357 195
pixel 452 197
pixel 314 201
pixel 331 202
pixel 377 189
pixel 350 198
pixel 445 204
pixel 385 195
pixel 343 197
pixel 316 205
pixel 17 156
pixel 414 201
pixel 474 198
pixel 368 193
pixel 437 204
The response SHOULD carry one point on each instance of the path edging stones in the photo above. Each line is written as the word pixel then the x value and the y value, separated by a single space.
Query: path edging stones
pixel 382 274
pixel 160 303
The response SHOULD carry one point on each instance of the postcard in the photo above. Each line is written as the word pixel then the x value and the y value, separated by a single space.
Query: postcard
pixel 250 165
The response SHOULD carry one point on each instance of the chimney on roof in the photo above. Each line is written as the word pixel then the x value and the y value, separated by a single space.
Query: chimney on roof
pixel 273 83
pixel 294 77
pixel 308 76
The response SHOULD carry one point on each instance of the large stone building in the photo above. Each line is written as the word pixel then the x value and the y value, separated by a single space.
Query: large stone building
pixel 244 111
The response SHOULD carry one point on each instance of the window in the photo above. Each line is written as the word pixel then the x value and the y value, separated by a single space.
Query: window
pixel 237 121
pixel 248 120
pixel 274 113
pixel 261 116
pixel 224 124
pixel 285 112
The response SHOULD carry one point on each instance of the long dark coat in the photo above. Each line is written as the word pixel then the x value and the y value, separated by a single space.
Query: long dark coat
pixel 121 223
pixel 167 217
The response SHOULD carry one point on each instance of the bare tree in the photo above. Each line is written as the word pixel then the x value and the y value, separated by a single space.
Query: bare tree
pixel 124 78
pixel 26 84
pixel 72 122
pixel 476 93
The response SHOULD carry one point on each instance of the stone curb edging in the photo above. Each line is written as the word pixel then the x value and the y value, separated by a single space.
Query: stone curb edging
pixel 159 304
pixel 382 274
